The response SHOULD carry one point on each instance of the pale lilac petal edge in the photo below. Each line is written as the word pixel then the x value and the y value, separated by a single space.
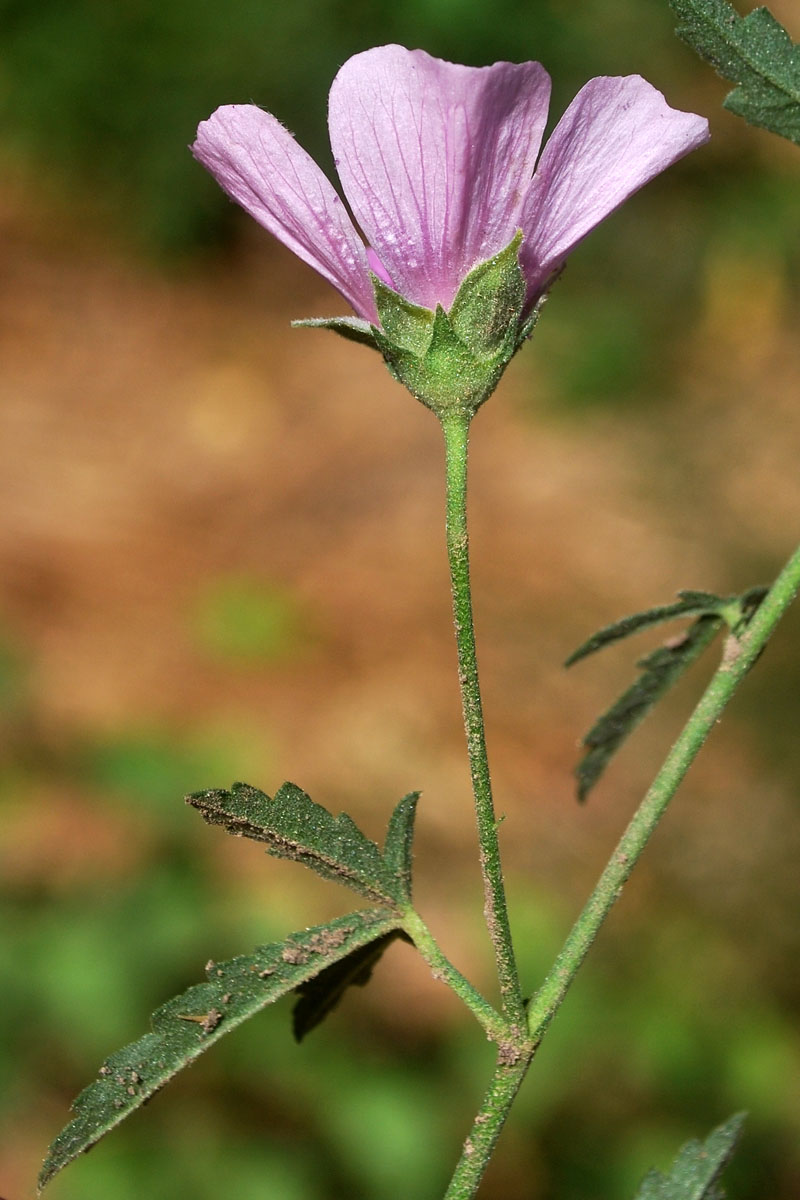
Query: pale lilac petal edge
pixel 616 135
pixel 261 166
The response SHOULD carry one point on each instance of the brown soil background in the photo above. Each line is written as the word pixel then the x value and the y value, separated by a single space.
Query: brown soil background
pixel 158 432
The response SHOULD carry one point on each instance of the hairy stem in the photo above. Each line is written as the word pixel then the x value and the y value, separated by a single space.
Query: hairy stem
pixel 515 1057
pixel 486 1128
pixel 739 654
pixel 456 437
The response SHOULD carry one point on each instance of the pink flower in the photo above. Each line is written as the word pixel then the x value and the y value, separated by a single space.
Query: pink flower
pixel 438 165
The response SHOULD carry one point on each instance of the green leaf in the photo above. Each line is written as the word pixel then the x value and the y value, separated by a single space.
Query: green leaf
pixel 739 610
pixel 188 1024
pixel 490 301
pixel 399 840
pixel 406 325
pixel 293 826
pixel 697 1169
pixel 320 995
pixel 660 670
pixel 352 328
pixel 688 604
pixel 754 52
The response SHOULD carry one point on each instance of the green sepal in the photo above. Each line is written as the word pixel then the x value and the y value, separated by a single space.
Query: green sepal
pixel 407 326
pixel 184 1027
pixel 352 328
pixel 453 361
pixel 320 995
pixel 294 827
pixel 449 377
pixel 490 301
pixel 696 1171
pixel 527 327
pixel 659 670
pixel 754 52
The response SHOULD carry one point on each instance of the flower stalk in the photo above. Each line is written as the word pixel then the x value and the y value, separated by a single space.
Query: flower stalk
pixel 456 425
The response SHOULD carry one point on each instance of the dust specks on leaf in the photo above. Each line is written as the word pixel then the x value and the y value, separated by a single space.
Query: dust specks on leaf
pixel 186 1025
pixel 294 955
pixel 208 1022
pixel 328 939
pixel 212 1020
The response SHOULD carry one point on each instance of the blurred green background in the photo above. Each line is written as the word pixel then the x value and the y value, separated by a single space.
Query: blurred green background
pixel 215 564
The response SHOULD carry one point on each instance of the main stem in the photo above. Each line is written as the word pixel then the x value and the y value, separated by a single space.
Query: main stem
pixel 456 440
pixel 486 1128
pixel 740 653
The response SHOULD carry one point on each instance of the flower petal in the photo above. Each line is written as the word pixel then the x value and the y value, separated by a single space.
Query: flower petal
pixel 435 160
pixel 377 268
pixel 615 136
pixel 261 166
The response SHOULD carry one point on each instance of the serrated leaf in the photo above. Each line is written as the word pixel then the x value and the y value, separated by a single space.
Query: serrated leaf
pixel 696 1171
pixel 689 603
pixel 397 850
pixel 754 52
pixel 660 670
pixel 293 826
pixel 187 1025
pixel 320 995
